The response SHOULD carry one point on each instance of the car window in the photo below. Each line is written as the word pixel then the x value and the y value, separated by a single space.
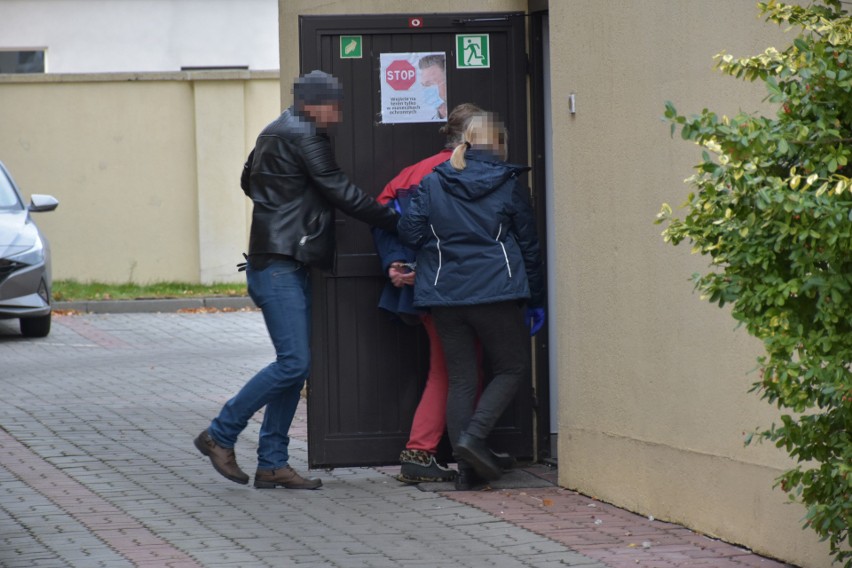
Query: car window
pixel 8 196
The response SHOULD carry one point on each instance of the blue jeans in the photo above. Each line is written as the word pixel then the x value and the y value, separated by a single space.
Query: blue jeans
pixel 282 291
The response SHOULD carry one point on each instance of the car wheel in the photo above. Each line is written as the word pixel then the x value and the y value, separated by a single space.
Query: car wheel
pixel 35 327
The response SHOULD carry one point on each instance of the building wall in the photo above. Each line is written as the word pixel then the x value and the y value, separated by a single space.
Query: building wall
pixel 290 10
pixel 145 166
pixel 98 36
pixel 653 381
pixel 653 401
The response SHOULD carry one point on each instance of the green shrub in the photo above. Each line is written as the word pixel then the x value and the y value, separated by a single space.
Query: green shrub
pixel 772 208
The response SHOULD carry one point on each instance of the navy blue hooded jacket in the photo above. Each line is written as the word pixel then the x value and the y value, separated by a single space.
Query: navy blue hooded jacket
pixel 475 236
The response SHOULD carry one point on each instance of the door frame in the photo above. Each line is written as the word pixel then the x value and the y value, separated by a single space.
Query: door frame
pixel 319 28
pixel 539 153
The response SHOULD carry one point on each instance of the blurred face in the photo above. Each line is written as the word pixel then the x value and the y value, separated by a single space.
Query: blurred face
pixel 324 115
pixel 490 134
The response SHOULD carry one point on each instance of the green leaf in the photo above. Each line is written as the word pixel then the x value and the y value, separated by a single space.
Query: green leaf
pixel 771 208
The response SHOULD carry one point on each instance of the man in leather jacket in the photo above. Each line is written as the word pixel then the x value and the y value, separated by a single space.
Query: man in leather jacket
pixel 295 185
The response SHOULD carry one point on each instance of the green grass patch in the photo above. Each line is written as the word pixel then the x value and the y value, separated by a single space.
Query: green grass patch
pixel 74 291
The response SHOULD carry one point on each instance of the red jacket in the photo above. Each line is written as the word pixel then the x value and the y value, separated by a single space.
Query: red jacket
pixel 397 193
pixel 409 178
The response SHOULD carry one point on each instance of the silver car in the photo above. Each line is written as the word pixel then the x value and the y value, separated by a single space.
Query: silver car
pixel 24 259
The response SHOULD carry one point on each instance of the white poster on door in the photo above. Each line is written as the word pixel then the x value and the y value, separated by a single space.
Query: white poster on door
pixel 414 87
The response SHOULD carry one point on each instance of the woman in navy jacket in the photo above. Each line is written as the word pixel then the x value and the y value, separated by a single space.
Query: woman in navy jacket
pixel 479 272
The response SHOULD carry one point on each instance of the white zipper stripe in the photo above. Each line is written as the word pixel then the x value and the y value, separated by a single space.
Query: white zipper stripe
pixel 438 246
pixel 502 246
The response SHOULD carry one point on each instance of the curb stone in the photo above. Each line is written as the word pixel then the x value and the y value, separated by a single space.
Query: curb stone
pixel 158 305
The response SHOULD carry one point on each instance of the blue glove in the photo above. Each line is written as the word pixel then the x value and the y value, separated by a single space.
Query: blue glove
pixel 535 318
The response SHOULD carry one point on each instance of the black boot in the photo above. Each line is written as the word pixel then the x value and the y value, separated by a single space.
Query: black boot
pixel 504 460
pixel 467 478
pixel 474 451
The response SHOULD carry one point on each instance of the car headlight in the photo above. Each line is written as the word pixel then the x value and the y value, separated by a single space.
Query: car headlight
pixel 31 256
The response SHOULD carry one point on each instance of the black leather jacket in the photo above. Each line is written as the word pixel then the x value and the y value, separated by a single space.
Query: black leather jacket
pixel 295 184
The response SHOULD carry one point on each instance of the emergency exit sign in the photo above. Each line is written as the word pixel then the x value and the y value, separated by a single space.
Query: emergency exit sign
pixel 351 47
pixel 472 51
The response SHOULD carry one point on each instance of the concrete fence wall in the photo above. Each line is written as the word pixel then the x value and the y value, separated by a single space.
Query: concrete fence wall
pixel 145 167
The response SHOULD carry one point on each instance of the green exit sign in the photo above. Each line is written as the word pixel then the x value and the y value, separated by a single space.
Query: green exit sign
pixel 473 51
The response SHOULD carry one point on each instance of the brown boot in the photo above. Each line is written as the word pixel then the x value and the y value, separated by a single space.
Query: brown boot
pixel 286 477
pixel 223 459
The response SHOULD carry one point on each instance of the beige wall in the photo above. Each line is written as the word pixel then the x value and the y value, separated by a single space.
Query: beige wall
pixel 653 381
pixel 145 166
pixel 653 401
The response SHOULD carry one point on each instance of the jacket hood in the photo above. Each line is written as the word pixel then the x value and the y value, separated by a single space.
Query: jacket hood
pixel 484 174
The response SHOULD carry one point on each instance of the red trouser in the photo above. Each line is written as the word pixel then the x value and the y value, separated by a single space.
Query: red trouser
pixel 430 418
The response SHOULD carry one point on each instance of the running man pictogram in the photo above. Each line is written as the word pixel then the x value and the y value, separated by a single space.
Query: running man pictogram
pixel 472 51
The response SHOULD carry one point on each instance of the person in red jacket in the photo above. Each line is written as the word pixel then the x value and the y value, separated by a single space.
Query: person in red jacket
pixel 418 458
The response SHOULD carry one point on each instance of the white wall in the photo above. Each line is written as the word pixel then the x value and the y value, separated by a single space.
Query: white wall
pixel 96 36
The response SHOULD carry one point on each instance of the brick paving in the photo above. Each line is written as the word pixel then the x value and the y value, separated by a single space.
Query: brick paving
pixel 606 533
pixel 97 468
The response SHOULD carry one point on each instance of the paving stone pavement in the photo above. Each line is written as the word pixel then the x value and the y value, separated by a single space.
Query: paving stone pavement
pixel 98 469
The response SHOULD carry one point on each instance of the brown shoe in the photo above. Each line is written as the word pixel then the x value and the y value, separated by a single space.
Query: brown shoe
pixel 286 477
pixel 223 459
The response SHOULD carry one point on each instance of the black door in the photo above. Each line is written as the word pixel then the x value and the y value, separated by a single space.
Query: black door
pixel 368 371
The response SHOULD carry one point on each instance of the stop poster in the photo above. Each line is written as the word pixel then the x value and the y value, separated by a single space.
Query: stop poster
pixel 414 87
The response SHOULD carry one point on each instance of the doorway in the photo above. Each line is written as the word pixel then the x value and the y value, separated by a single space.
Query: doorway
pixel 368 370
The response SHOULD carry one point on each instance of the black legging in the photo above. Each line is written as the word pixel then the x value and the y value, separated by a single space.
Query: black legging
pixel 505 341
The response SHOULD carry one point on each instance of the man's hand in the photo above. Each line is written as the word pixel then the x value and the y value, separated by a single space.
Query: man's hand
pixel 400 274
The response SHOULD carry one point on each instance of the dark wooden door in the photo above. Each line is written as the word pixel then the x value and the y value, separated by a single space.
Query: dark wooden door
pixel 369 371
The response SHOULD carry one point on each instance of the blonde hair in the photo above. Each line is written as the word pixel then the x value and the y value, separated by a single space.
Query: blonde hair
pixel 485 131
